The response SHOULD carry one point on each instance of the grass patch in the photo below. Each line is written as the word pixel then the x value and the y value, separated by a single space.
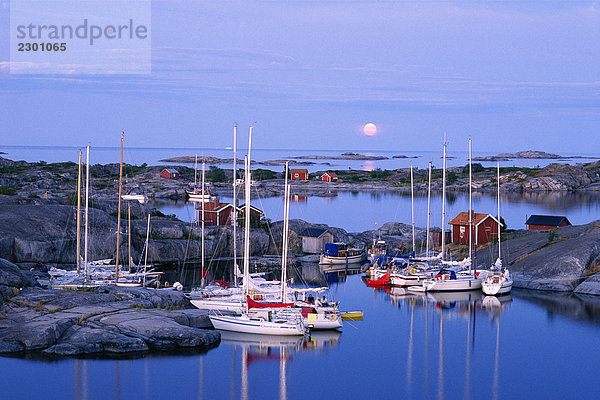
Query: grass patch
pixel 8 190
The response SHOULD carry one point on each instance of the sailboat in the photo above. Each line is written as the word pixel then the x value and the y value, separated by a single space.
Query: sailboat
pixel 198 194
pixel 416 271
pixel 448 279
pixel 255 318
pixel 497 281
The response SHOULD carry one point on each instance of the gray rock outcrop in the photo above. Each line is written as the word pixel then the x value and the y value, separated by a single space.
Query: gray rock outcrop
pixel 590 286
pixel 107 320
pixel 560 260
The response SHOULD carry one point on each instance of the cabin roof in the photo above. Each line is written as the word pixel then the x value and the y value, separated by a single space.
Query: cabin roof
pixel 549 220
pixel 463 218
pixel 314 232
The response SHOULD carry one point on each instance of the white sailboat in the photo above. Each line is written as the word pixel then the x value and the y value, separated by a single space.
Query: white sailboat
pixel 497 281
pixel 198 194
pixel 447 279
pixel 262 321
pixel 415 272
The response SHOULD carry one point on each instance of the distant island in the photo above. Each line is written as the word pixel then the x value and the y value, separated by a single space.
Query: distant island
pixel 344 156
pixel 403 156
pixel 528 154
pixel 217 160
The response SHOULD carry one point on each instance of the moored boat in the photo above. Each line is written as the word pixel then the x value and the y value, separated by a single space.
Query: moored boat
pixel 497 281
pixel 450 281
pixel 261 322
pixel 340 253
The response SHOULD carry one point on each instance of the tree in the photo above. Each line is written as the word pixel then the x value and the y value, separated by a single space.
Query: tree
pixel 262 174
pixel 503 227
pixel 476 167
pixel 451 177
pixel 216 174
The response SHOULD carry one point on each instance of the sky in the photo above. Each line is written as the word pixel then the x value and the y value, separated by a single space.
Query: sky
pixel 512 75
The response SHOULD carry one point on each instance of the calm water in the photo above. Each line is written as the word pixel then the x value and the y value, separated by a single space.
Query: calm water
pixel 530 345
pixel 357 212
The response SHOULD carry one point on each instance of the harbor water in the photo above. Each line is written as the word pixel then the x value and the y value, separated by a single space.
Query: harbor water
pixel 446 346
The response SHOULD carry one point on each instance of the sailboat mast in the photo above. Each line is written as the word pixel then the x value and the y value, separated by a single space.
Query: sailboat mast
pixel 444 202
pixel 284 252
pixel 196 172
pixel 146 248
pixel 129 235
pixel 247 217
pixel 119 210
pixel 87 198
pixel 78 255
pixel 202 222
pixel 499 224
pixel 428 211
pixel 470 217
pixel 234 212
pixel 412 208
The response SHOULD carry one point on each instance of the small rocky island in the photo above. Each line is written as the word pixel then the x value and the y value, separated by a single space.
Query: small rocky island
pixel 344 156
pixel 528 154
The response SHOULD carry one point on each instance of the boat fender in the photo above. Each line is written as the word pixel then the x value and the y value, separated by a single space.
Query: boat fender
pixel 502 275
pixel 166 284
pixel 332 317
pixel 178 286
pixel 439 277
pixel 413 271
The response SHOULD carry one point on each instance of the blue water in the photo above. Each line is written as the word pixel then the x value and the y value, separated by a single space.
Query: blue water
pixel 359 211
pixel 531 345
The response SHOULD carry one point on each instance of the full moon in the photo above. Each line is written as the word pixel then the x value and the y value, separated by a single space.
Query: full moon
pixel 370 129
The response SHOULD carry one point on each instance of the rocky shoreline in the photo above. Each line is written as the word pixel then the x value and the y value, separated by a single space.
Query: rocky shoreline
pixel 104 320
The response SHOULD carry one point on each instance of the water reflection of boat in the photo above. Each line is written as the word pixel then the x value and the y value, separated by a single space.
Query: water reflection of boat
pixel 397 292
pixel 455 297
pixel 322 340
pixel 495 302
pixel 261 341
pixel 335 273
pixel 316 341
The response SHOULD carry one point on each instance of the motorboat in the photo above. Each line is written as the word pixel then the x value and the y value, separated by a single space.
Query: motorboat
pixel 340 253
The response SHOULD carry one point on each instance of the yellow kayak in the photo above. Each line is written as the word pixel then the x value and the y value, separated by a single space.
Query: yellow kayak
pixel 352 315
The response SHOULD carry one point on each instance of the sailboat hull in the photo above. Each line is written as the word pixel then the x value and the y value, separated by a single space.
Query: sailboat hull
pixel 407 280
pixel 259 327
pixel 332 260
pixel 219 304
pixel 452 285
pixel 493 289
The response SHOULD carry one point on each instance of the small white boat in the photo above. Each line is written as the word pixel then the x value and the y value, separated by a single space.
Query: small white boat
pixel 260 322
pixel 137 197
pixel 497 282
pixel 196 195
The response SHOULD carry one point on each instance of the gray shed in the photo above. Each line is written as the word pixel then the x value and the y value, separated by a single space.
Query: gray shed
pixel 314 239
